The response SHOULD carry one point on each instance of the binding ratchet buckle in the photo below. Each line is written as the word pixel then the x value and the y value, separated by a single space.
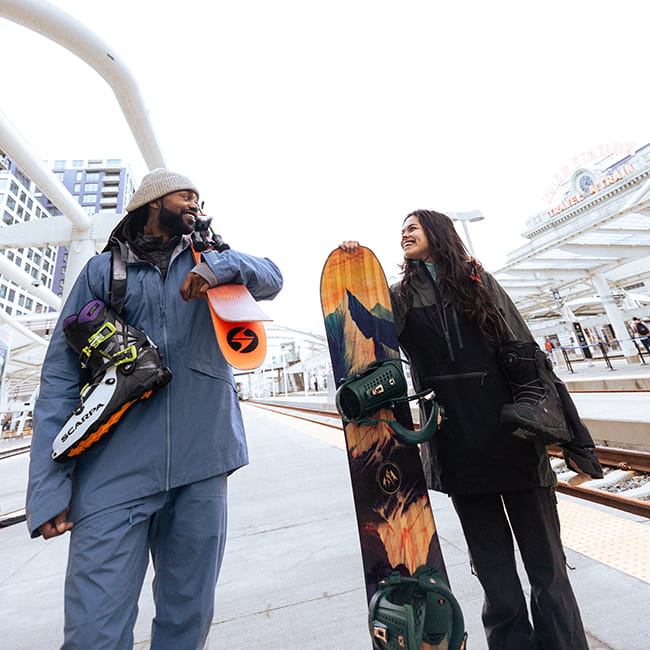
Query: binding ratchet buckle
pixel 382 385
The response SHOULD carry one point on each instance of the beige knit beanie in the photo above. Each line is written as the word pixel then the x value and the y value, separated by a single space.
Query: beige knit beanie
pixel 157 183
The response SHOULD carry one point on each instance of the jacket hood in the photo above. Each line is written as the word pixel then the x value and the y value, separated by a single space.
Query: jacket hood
pixel 128 227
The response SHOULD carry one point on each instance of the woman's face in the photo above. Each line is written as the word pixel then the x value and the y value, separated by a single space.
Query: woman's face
pixel 414 241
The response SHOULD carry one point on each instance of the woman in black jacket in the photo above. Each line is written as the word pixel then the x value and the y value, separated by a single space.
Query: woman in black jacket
pixel 452 318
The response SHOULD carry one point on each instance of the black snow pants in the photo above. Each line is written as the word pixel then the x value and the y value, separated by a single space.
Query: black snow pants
pixel 488 522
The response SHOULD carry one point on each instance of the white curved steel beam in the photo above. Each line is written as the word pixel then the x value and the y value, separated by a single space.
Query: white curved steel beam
pixel 30 162
pixel 5 319
pixel 62 28
pixel 58 231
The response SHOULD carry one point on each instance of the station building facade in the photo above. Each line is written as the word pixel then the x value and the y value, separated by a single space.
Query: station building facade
pixel 586 270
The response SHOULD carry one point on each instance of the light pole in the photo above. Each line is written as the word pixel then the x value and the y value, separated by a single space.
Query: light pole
pixel 464 218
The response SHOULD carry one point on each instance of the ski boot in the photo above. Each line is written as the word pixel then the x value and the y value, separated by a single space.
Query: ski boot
pixel 124 367
pixel 537 411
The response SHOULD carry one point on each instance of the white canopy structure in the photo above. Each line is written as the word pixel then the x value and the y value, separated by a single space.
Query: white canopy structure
pixel 83 234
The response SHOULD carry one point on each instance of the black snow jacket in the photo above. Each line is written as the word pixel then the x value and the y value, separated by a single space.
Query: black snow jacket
pixel 470 454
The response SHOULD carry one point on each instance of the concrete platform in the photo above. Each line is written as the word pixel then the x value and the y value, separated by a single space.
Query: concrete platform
pixel 598 376
pixel 292 572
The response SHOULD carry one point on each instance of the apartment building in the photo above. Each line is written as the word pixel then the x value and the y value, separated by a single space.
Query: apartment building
pixel 19 203
pixel 97 184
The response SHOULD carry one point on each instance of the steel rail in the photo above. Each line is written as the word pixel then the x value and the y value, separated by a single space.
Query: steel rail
pixel 278 409
pixel 8 453
pixel 582 391
pixel 11 518
pixel 639 461
pixel 610 499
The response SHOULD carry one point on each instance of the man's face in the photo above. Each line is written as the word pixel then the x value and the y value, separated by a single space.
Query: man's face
pixel 178 212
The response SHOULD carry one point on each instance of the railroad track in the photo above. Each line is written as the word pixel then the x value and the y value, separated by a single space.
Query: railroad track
pixel 7 453
pixel 625 486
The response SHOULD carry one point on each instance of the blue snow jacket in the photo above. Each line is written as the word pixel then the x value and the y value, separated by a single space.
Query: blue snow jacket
pixel 190 430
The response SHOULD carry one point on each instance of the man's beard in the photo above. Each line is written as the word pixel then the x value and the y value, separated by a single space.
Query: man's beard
pixel 173 221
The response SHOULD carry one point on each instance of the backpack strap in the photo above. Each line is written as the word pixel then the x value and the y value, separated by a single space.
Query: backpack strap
pixel 117 290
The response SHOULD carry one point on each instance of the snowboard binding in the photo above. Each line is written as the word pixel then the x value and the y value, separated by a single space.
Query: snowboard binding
pixel 383 385
pixel 124 367
pixel 407 611
pixel 536 413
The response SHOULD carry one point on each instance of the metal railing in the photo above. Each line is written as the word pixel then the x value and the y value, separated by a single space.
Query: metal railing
pixel 604 350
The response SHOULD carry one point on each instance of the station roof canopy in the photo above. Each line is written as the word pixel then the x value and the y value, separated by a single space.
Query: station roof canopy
pixel 601 226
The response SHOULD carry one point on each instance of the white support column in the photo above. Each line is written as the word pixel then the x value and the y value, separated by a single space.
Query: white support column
pixel 331 385
pixel 615 316
pixel 79 252
pixel 568 316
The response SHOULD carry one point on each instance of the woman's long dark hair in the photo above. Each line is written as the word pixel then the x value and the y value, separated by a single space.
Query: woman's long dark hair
pixel 458 274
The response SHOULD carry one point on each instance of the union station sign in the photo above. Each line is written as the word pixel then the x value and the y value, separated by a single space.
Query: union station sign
pixel 589 185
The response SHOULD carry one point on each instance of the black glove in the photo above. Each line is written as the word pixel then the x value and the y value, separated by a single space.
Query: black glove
pixel 582 459
pixel 204 239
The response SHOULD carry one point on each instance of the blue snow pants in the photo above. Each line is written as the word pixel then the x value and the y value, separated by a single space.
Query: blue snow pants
pixel 184 529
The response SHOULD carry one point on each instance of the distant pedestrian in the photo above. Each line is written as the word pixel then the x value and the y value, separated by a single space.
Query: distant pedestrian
pixel 642 331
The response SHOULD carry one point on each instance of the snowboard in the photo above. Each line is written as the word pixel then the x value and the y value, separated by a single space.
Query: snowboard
pixel 238 324
pixel 396 527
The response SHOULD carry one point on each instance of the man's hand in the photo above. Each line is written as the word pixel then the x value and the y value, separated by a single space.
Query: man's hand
pixel 194 287
pixel 56 526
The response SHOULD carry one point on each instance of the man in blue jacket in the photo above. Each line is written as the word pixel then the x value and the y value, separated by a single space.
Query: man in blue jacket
pixel 157 484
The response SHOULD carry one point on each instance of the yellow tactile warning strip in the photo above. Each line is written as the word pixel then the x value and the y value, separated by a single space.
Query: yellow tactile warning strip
pixel 618 542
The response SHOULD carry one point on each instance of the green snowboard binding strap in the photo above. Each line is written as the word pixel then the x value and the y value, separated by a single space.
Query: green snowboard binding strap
pixel 383 385
pixel 407 611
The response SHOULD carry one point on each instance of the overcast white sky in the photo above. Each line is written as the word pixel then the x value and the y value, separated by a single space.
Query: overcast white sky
pixel 308 122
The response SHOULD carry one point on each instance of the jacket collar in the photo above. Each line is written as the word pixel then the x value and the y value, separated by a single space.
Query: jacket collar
pixel 129 256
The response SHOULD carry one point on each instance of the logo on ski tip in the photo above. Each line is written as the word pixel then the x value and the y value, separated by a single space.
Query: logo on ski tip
pixel 242 339
pixel 389 478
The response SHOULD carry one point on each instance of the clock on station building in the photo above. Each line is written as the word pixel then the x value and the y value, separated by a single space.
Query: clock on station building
pixel 582 180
